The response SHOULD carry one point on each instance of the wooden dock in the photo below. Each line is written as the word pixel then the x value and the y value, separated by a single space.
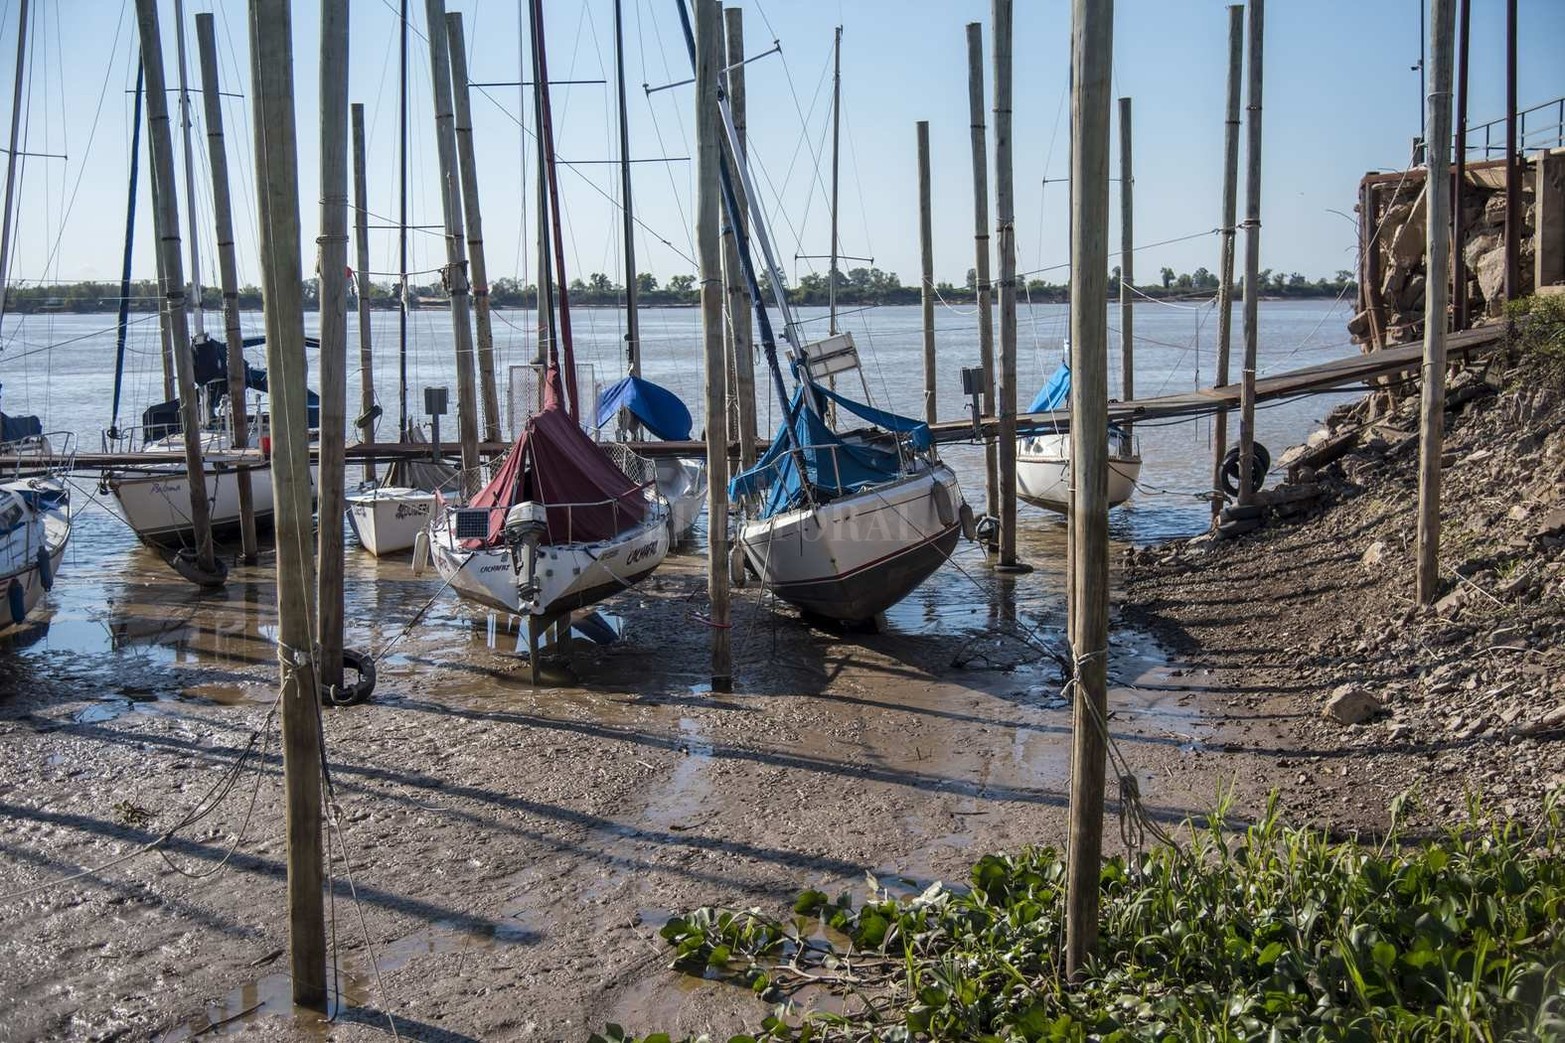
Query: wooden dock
pixel 1344 374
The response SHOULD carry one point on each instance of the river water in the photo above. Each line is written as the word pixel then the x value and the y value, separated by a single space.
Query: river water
pixel 112 593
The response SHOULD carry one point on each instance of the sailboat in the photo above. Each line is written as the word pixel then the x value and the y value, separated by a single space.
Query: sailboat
pixel 1043 458
pixel 561 525
pixel 841 523
pixel 35 519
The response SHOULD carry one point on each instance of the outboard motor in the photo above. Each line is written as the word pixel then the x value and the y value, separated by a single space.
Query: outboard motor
pixel 526 524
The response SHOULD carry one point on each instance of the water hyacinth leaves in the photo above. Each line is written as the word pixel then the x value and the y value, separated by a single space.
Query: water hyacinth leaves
pixel 1268 934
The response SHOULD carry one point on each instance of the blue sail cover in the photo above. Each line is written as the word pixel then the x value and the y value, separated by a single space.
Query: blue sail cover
pixel 1055 394
pixel 832 467
pixel 659 409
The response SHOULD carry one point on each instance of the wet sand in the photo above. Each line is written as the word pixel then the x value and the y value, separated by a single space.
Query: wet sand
pixel 514 851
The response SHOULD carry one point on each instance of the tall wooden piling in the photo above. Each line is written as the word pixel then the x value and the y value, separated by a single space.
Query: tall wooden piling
pixel 926 244
pixel 197 303
pixel 980 149
pixel 456 249
pixel 333 268
pixel 742 339
pixel 1513 172
pixel 1092 41
pixel 277 197
pixel 1252 251
pixel 228 275
pixel 361 228
pixel 1005 228
pixel 1459 182
pixel 1225 264
pixel 12 155
pixel 463 108
pixel 709 51
pixel 1127 262
pixel 166 211
pixel 1431 443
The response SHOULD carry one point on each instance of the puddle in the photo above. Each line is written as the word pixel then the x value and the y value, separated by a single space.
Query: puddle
pixel 350 984
pixel 681 797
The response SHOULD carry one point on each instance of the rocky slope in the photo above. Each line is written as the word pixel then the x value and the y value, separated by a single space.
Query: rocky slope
pixel 1311 626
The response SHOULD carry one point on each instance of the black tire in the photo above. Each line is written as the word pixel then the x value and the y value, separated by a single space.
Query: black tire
pixel 1260 464
pixel 353 694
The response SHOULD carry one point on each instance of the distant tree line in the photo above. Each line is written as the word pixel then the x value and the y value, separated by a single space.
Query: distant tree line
pixel 856 287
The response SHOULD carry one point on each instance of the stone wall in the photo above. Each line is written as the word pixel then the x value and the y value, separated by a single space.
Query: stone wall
pixel 1392 218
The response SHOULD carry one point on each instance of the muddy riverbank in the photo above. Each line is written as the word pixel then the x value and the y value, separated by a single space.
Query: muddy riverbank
pixel 513 851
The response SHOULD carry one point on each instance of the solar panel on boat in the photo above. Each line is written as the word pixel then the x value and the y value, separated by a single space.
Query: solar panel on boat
pixel 472 523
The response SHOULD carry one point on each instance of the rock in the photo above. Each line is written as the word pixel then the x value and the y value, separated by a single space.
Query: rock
pixel 1350 704
pixel 1553 524
pixel 1490 270
pixel 1375 554
pixel 1452 603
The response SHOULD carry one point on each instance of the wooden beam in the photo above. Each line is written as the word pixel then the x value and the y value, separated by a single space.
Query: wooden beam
pixel 926 247
pixel 1005 228
pixel 362 239
pixel 978 134
pixel 1225 263
pixel 1252 249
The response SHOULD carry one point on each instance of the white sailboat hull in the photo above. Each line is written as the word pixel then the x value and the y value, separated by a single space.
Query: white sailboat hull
pixel 157 503
pixel 860 554
pixel 388 520
pixel 568 576
pixel 22 580
pixel 1043 471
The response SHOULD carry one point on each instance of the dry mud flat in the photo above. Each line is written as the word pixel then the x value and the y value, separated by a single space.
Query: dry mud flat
pixel 514 851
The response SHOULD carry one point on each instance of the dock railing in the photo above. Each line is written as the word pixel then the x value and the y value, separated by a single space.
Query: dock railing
pixel 1538 128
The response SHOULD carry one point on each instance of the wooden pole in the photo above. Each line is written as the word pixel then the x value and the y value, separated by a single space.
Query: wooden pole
pixel 362 238
pixel 1092 51
pixel 1252 253
pixel 742 343
pixel 456 252
pixel 12 154
pixel 1513 174
pixel 475 225
pixel 926 245
pixel 166 209
pixel 333 271
pixel 228 275
pixel 836 156
pixel 709 42
pixel 627 209
pixel 1459 183
pixel 975 112
pixel 1127 262
pixel 1225 264
pixel 277 196
pixel 1005 226
pixel 1431 443
pixel 196 292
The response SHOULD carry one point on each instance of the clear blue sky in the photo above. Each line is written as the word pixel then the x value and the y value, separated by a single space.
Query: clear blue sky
pixel 1340 99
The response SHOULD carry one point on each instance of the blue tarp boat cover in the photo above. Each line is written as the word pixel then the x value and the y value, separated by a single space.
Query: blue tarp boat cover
pixel 16 428
pixel 832 466
pixel 659 409
pixel 1055 394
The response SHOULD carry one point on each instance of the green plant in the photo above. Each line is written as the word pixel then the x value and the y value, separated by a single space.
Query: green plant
pixel 1543 332
pixel 1270 933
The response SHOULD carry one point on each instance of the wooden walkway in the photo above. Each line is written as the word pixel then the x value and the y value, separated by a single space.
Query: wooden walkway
pixel 1336 375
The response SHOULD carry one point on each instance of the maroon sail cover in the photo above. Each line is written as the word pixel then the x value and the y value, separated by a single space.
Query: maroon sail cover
pixel 554 463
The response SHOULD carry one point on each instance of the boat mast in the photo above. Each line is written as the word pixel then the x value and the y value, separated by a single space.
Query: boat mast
pixel 130 238
pixel 402 228
pixel 546 135
pixel 836 142
pixel 190 173
pixel 632 324
pixel 10 163
pixel 548 350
